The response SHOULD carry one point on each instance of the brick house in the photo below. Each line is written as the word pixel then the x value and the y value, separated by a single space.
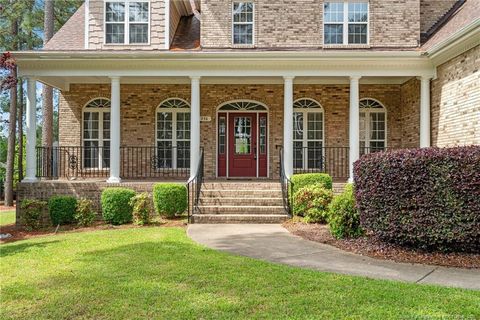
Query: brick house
pixel 147 84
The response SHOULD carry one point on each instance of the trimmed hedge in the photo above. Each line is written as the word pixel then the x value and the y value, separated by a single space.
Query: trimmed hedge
pixel 62 209
pixel 116 208
pixel 84 214
pixel 170 199
pixel 343 216
pixel 142 208
pixel 307 179
pixel 32 211
pixel 425 198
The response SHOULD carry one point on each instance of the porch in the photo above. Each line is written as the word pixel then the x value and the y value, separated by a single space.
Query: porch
pixel 151 120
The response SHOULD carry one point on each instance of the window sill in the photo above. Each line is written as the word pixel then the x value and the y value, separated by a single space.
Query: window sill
pixel 346 46
pixel 243 46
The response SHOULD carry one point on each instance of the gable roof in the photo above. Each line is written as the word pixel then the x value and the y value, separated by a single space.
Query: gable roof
pixel 464 15
pixel 71 36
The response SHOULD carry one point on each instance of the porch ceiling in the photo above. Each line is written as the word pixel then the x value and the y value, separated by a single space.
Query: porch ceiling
pixel 63 83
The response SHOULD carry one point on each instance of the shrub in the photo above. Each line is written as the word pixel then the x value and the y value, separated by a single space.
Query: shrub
pixel 343 216
pixel 84 214
pixel 32 211
pixel 312 203
pixel 116 208
pixel 142 208
pixel 62 209
pixel 170 199
pixel 426 198
pixel 302 180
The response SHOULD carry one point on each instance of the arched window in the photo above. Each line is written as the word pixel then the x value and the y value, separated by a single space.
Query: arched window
pixel 242 106
pixel 96 134
pixel 173 134
pixel 373 126
pixel 308 134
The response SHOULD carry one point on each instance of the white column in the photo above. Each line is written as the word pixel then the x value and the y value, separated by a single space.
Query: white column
pixel 31 128
pixel 288 126
pixel 354 124
pixel 195 126
pixel 424 112
pixel 115 131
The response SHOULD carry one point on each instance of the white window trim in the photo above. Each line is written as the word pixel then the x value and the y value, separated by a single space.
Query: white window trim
pixel 367 112
pixel 305 140
pixel 174 140
pixel 253 23
pixel 126 23
pixel 100 139
pixel 345 23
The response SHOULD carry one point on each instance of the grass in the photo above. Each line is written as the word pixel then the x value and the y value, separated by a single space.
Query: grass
pixel 7 217
pixel 160 273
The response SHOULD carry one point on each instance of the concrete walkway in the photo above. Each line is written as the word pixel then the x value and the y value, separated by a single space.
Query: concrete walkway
pixel 274 243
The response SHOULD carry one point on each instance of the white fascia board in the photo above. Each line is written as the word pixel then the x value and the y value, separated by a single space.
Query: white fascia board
pixel 461 41
pixel 87 24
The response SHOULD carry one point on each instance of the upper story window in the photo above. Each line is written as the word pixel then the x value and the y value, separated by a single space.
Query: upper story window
pixel 127 21
pixel 243 23
pixel 345 22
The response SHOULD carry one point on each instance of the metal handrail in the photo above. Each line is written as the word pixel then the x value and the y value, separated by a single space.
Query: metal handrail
pixel 194 187
pixel 287 187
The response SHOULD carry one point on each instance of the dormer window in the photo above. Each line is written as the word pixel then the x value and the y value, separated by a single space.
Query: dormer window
pixel 243 23
pixel 345 22
pixel 127 22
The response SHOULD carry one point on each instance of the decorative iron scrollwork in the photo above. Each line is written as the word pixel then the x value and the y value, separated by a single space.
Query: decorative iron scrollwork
pixel 73 162
pixel 154 162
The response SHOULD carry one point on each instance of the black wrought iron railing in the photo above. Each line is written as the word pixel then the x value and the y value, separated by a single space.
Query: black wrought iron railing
pixel 331 160
pixel 94 162
pixel 194 187
pixel 154 162
pixel 73 162
pixel 286 185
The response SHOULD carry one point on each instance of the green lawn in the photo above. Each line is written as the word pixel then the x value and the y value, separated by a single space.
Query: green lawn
pixel 158 273
pixel 7 217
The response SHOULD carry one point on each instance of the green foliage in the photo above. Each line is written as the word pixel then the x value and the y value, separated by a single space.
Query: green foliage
pixel 84 214
pixel 302 180
pixel 62 209
pixel 116 206
pixel 32 211
pixel 142 208
pixel 170 199
pixel 312 203
pixel 343 216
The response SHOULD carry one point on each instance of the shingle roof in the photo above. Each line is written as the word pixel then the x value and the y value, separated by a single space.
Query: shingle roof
pixel 71 36
pixel 463 16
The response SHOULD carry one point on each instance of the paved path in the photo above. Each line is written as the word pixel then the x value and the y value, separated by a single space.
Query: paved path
pixel 276 244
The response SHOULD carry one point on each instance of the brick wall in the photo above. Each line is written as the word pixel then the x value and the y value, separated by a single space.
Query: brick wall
pixel 410 100
pixel 431 11
pixel 139 102
pixel 456 101
pixel 299 23
pixel 97 33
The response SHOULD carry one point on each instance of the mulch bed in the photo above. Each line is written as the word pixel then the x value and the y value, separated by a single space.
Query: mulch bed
pixel 371 247
pixel 22 234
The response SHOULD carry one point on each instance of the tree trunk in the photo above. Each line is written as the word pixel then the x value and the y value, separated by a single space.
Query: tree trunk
pixel 20 130
pixel 12 124
pixel 47 105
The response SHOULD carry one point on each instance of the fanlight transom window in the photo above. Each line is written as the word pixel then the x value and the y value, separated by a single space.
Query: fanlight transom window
pixel 373 126
pixel 308 130
pixel 173 134
pixel 96 134
pixel 243 106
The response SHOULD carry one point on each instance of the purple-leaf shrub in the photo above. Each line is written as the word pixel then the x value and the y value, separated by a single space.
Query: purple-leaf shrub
pixel 423 198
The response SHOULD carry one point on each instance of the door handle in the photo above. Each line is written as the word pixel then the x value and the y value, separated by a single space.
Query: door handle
pixel 255 153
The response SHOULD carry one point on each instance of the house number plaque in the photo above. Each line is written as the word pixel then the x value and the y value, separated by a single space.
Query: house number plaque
pixel 205 119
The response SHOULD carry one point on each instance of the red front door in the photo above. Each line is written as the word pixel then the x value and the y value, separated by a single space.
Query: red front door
pixel 242 145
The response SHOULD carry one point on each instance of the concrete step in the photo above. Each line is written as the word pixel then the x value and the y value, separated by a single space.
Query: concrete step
pixel 243 209
pixel 253 185
pixel 239 218
pixel 234 193
pixel 225 201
